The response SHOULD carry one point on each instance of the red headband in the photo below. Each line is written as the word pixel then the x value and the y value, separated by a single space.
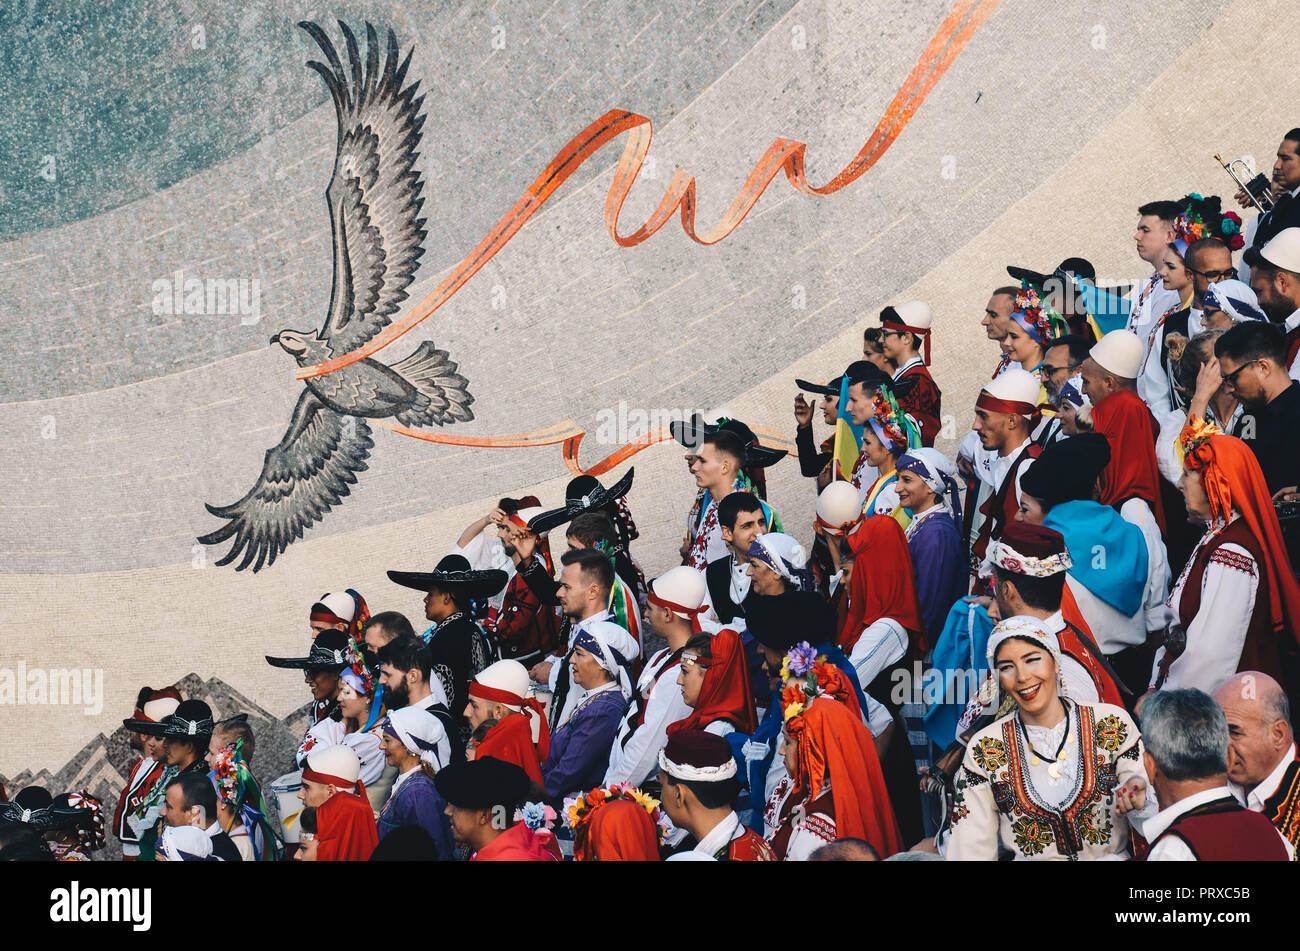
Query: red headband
pixel 998 405
pixel 922 332
pixel 327 617
pixel 325 779
pixel 516 520
pixel 840 529
pixel 692 613
pixel 495 694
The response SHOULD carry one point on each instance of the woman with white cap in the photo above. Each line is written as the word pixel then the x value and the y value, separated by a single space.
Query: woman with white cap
pixel 1052 778
pixel 411 736
pixel 777 564
pixel 579 754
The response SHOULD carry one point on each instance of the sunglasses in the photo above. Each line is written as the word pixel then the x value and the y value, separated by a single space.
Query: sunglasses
pixel 1231 378
pixel 1215 276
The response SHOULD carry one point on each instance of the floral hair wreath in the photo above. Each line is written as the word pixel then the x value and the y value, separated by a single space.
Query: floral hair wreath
pixel 891 419
pixel 230 773
pixel 578 811
pixel 1193 446
pixel 1201 218
pixel 806 675
pixel 356 659
pixel 1038 314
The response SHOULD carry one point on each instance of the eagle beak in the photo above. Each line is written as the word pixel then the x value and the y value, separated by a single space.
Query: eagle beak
pixel 275 339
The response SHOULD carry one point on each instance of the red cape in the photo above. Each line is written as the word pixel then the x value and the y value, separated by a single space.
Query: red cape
pixel 517 844
pixel 882 583
pixel 1132 471
pixel 346 829
pixel 511 740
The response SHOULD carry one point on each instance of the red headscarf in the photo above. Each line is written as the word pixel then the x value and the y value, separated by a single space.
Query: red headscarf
pixel 835 747
pixel 620 830
pixel 1132 471
pixel 511 740
pixel 345 828
pixel 883 583
pixel 1233 481
pixel 725 693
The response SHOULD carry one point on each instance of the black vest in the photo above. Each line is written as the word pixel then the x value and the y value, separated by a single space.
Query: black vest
pixel 717 575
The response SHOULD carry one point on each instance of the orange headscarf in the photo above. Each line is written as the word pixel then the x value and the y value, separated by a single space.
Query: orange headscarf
pixel 725 693
pixel 1233 481
pixel 619 831
pixel 835 746
pixel 882 584
pixel 1132 472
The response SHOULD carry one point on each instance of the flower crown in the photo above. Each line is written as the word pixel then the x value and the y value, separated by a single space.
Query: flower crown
pixel 1201 218
pixel 578 811
pixel 1037 313
pixel 890 418
pixel 806 675
pixel 1193 444
pixel 229 776
pixel 361 670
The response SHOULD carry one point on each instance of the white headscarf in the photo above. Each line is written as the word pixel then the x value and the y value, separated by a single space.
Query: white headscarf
pixel 936 470
pixel 419 731
pixel 1236 299
pixel 783 554
pixel 592 639
pixel 185 844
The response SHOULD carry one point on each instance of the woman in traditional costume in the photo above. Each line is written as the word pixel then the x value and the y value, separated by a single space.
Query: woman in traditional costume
pixel 1041 781
pixel 834 787
pixel 354 723
pixel 925 476
pixel 615 824
pixel 241 810
pixel 715 684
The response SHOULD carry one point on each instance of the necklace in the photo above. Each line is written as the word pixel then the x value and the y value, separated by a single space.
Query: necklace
pixel 1035 757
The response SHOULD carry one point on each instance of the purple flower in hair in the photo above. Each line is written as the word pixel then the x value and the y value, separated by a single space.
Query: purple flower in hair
pixel 802 658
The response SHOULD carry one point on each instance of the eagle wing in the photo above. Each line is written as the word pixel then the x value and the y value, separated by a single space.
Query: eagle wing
pixel 374 193
pixel 302 478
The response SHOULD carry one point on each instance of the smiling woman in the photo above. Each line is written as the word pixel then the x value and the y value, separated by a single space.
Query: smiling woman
pixel 1052 779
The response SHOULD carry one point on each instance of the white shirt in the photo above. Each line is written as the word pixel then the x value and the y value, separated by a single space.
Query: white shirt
pixel 485 551
pixel 881 645
pixel 1255 799
pixel 721 835
pixel 1138 512
pixel 1217 634
pixel 1172 848
pixel 740 582
pixel 915 361
pixel 636 759
pixel 1291 323
pixel 1153 383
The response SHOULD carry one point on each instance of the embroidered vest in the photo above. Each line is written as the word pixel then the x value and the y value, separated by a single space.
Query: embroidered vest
pixel 1283 807
pixel 1259 652
pixel 995 507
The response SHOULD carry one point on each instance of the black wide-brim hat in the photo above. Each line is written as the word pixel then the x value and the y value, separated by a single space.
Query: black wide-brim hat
pixel 692 433
pixel 191 718
pixel 1080 267
pixel 453 573
pixel 482 783
pixel 583 494
pixel 830 389
pixel 328 651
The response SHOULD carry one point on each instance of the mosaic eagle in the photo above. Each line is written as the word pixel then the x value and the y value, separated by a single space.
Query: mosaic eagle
pixel 374 202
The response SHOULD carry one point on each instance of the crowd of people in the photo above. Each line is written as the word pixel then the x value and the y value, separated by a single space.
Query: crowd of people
pixel 1079 639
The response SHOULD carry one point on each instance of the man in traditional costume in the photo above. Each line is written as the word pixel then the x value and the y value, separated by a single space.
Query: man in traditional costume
pixel 345 822
pixel 481 799
pixel 1275 278
pixel 321 669
pixel 458 647
pixel 1004 418
pixel 815 459
pixel 191 800
pixel 1263 769
pixel 906 330
pixel 520 734
pixel 412 738
pixel 406 672
pixel 1186 739
pixel 145 771
pixel 698 775
pixel 742 519
pixel 185 734
pixel 525 628
pixel 676 598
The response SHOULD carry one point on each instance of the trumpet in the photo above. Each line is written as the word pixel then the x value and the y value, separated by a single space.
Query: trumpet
pixel 1255 186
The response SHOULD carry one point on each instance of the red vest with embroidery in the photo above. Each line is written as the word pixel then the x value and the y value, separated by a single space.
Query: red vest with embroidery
pixel 922 400
pixel 1259 652
pixel 1223 831
pixel 1283 807
pixel 1001 507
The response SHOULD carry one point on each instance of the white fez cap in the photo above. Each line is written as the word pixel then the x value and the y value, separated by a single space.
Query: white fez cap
pixel 1283 250
pixel 915 313
pixel 522 517
pixel 838 506
pixel 155 710
pixel 1120 353
pixel 340 604
pixel 683 585
pixel 338 760
pixel 1015 385
pixel 508 676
